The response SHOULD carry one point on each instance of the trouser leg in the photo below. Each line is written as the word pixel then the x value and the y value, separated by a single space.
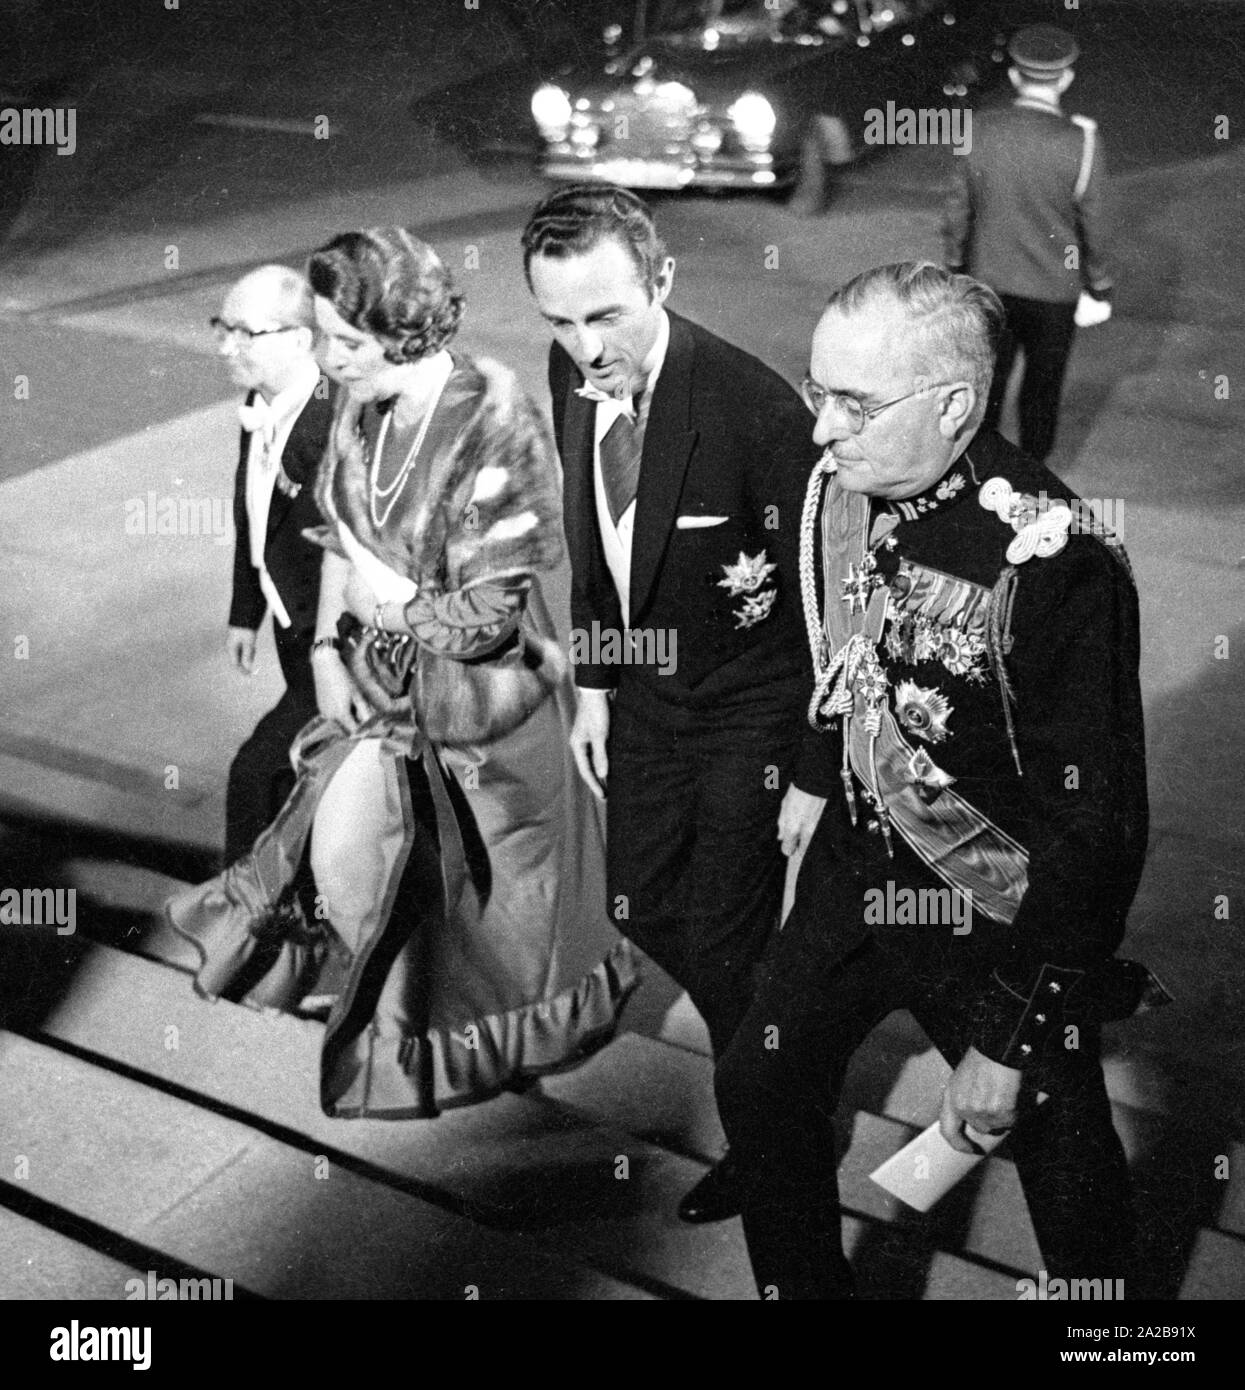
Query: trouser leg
pixel 649 815
pixel 1075 1175
pixel 735 871
pixel 1046 332
pixel 778 1085
pixel 1003 364
pixel 692 844
pixel 260 776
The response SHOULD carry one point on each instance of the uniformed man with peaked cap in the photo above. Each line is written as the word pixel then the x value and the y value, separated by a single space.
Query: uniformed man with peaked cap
pixel 1024 215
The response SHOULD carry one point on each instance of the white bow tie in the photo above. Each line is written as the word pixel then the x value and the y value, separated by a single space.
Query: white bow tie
pixel 258 418
pixel 594 393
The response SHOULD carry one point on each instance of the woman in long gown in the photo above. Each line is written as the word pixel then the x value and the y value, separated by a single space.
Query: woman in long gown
pixel 457 857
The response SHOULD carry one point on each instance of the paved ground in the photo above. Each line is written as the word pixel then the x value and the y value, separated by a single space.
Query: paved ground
pixel 118 715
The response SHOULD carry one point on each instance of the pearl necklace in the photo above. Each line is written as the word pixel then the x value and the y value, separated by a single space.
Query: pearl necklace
pixel 390 494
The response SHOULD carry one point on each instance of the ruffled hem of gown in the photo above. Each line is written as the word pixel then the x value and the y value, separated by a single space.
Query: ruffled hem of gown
pixel 404 1077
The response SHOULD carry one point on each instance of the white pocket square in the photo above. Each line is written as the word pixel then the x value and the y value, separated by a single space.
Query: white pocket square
pixel 690 523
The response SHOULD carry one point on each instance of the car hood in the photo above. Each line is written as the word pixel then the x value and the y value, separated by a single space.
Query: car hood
pixel 718 75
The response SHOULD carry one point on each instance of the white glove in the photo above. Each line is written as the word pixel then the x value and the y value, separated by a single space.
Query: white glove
pixel 1091 311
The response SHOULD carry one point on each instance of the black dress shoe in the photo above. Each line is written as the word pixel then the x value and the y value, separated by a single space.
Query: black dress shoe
pixel 713 1198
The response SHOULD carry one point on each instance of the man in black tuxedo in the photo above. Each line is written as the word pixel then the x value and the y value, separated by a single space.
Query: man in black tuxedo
pixel 265 332
pixel 685 463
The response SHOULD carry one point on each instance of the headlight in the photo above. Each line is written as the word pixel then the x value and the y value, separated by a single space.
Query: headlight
pixel 551 109
pixel 707 139
pixel 753 117
pixel 674 94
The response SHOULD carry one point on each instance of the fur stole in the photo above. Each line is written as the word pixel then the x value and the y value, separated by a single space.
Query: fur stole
pixel 485 509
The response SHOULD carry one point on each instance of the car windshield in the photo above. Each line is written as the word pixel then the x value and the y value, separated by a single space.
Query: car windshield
pixel 713 24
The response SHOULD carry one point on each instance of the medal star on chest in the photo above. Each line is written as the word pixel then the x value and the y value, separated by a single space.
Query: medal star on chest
pixel 747 574
pixel 860 583
pixel 923 711
pixel 749 579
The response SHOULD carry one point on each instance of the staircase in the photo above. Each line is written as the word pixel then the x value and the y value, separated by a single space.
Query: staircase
pixel 147 1130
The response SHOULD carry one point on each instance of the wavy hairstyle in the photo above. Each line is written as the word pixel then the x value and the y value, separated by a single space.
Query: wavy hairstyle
pixel 386 282
pixel 957 320
pixel 574 220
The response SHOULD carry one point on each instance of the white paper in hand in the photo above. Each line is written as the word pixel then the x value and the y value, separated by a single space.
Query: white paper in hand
pixel 1091 311
pixel 927 1167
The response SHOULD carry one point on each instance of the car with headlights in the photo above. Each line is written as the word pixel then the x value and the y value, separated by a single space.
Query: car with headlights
pixel 754 94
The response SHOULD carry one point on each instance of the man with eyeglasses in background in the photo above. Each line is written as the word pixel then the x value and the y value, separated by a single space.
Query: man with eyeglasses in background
pixel 265 335
pixel 976 823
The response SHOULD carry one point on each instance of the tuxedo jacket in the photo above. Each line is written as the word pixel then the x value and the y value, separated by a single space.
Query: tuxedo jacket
pixel 726 438
pixel 292 560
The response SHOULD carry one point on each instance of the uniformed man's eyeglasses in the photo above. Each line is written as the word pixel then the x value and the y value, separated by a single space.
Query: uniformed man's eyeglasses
pixel 851 408
pixel 246 336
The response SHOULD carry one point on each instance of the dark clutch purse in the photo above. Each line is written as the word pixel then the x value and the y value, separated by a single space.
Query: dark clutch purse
pixel 380 662
pixel 453 701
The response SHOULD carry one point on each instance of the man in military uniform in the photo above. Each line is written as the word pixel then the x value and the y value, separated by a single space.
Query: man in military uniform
pixel 1024 215
pixel 976 821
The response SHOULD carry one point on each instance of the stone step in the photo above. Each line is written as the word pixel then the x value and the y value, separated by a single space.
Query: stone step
pixel 889 1265
pixel 528 1164
pixel 275 1221
pixel 35 785
pixel 1216 1268
pixel 661 1095
pixel 212 1192
pixel 658 1092
pixel 40 1263
pixel 665 1095
pixel 950 1278
pixel 111 888
pixel 682 1025
pixel 1232 1210
pixel 897 1073
pixel 510 1163
pixel 518 1162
